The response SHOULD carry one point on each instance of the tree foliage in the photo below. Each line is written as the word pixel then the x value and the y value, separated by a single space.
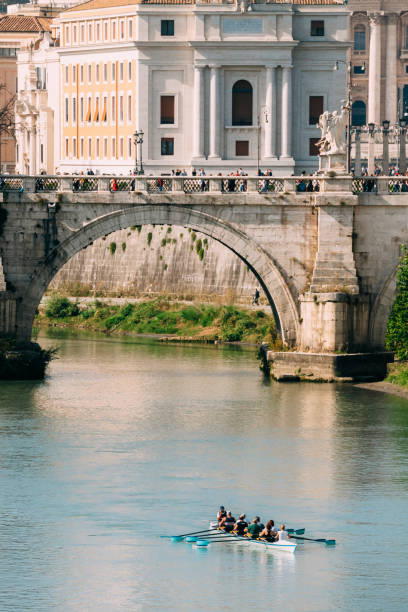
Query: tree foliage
pixel 397 329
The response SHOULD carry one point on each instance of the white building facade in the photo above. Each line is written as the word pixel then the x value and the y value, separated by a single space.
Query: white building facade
pixel 212 85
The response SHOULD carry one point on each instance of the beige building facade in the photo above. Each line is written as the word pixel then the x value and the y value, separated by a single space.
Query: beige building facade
pixel 379 60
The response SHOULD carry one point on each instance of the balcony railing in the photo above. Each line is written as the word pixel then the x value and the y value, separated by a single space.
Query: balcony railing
pixel 195 185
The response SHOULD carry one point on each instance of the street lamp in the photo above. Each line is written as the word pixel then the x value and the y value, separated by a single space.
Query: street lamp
pixel 138 140
pixel 403 156
pixel 371 153
pixel 349 67
pixel 264 112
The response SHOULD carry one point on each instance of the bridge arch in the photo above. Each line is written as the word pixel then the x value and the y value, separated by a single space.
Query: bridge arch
pixel 257 259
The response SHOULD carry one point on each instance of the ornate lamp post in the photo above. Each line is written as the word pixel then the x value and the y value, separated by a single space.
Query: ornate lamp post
pixel 349 67
pixel 403 140
pixel 386 148
pixel 357 160
pixel 371 130
pixel 138 140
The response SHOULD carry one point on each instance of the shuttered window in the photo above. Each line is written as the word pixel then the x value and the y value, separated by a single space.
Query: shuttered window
pixel 167 110
pixel 315 109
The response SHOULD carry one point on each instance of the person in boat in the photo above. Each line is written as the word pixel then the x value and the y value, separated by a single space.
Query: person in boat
pixel 254 528
pixel 283 534
pixel 221 514
pixel 228 522
pixel 269 533
pixel 262 526
pixel 241 525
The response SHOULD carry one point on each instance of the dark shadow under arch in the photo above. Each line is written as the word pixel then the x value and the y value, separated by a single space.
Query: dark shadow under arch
pixel 257 259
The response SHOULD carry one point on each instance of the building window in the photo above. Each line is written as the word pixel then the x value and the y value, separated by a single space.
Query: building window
pixel 122 29
pixel 121 148
pixel 313 148
pixel 75 34
pixel 89 111
pixel 105 73
pixel 8 51
pixel 129 107
pixel 66 110
pixel 74 74
pixel 113 147
pixel 129 71
pixel 358 113
pixel 315 109
pixel 317 28
pixel 129 147
pixel 97 148
pixel 359 69
pixel 66 35
pixel 98 31
pixel 113 108
pixel 89 147
pixel 81 109
pixel 167 146
pixel 406 68
pixel 242 103
pixel 82 33
pixel 105 147
pixel 167 110
pixel 360 38
pixel 121 71
pixel 114 30
pixel 113 71
pixel 74 147
pixel 42 153
pixel 66 75
pixel 121 109
pixel 66 147
pixel 167 27
pixel 106 31
pixel 105 108
pixel 81 148
pixel 406 37
pixel 90 32
pixel 96 113
pixel 89 73
pixel 81 72
pixel 130 28
pixel 74 109
pixel 242 148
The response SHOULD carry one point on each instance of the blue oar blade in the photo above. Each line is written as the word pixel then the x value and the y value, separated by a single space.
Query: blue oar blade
pixel 300 531
pixel 331 542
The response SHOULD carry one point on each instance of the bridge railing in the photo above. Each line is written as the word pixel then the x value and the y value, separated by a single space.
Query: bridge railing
pixel 266 185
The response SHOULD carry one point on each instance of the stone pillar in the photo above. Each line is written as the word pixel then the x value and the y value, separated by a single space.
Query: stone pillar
pixel 386 153
pixel 270 121
pixel 374 75
pixel 371 155
pixel 357 146
pixel 215 112
pixel 403 150
pixel 198 117
pixel 286 145
pixel 391 87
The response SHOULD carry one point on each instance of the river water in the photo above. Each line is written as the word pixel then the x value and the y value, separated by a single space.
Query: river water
pixel 129 439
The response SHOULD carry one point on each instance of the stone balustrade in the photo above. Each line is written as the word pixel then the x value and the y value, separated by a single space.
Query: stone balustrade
pixel 205 184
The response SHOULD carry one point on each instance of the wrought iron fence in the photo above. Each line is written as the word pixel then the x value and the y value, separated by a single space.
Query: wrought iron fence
pixel 121 183
pixel 84 183
pixel 44 183
pixel 270 185
pixel 398 185
pixel 194 185
pixel 158 185
pixel 11 184
pixel 364 185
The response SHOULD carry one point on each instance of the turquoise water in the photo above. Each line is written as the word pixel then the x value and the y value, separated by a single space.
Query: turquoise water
pixel 127 440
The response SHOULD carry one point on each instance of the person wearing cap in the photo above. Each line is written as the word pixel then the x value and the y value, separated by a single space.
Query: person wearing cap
pixel 221 514
pixel 227 523
pixel 241 525
pixel 254 528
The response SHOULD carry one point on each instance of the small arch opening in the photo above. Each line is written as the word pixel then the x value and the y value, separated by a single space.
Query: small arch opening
pixel 242 102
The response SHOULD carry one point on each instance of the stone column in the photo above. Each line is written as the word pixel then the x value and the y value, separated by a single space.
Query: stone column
pixel 357 158
pixel 198 117
pixel 286 145
pixel 270 120
pixel 403 151
pixel 391 87
pixel 386 153
pixel 33 141
pixel 374 75
pixel 215 112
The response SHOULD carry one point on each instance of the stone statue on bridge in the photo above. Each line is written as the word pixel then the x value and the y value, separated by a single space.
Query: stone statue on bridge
pixel 332 144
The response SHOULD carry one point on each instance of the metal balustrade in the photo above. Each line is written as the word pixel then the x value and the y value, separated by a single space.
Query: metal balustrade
pixel 196 185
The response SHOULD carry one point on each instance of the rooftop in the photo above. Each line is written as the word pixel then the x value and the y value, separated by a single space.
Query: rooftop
pixel 25 23
pixel 100 4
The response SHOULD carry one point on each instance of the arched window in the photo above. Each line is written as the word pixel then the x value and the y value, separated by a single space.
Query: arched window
pixel 242 103
pixel 358 113
pixel 359 38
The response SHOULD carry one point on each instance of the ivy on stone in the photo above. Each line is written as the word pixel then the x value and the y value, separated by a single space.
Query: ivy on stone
pixel 397 329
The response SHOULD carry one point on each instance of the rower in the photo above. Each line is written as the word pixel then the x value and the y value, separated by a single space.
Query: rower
pixel 227 523
pixel 262 526
pixel 254 529
pixel 283 534
pixel 221 514
pixel 269 532
pixel 241 525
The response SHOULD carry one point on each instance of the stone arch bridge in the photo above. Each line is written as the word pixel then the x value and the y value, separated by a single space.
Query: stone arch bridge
pixel 325 257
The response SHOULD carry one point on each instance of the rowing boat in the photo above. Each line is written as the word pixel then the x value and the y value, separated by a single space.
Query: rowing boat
pixel 282 545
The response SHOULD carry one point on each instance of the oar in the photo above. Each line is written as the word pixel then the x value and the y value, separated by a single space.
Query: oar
pixel 328 542
pixel 297 531
pixel 180 537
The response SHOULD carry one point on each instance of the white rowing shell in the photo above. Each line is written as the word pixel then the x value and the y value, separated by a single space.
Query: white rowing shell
pixel 282 545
